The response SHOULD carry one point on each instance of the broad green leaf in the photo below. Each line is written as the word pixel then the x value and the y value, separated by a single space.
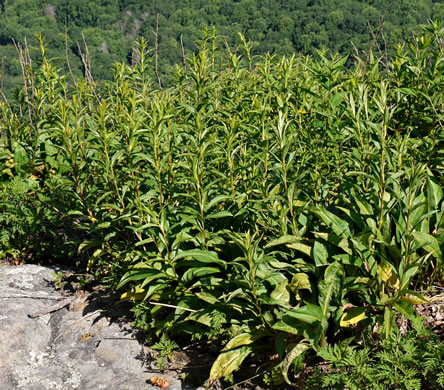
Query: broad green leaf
pixel 418 209
pixel 408 91
pixel 207 297
pixel 336 99
pixel 290 325
pixel 203 317
pixel 216 200
pixel 197 272
pixel 330 286
pixel 93 258
pixel 20 156
pixel 363 280
pixel 299 203
pixel 229 361
pixel 338 225
pixel 153 287
pixel 299 246
pixel 319 253
pixel 87 244
pixel 201 255
pixel 364 206
pixel 244 339
pixel 280 293
pixel 145 274
pixel 219 214
pixel 283 240
pixel 406 309
pixel 428 242
pixel 309 313
pixel 352 316
pixel 410 271
pixel 434 193
pixel 342 243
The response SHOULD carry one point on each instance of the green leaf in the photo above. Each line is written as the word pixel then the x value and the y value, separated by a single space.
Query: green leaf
pixel 280 293
pixel 201 256
pixel 387 274
pixel 207 297
pixel 330 286
pixel 283 240
pixel 338 225
pixel 192 273
pixel 319 253
pixel 204 317
pixel 219 214
pixel 406 309
pixel 428 242
pixel 245 339
pixel 410 271
pixel 87 244
pixel 309 313
pixel 342 243
pixel 299 246
pixel 434 193
pixel 147 274
pixel 289 325
pixel 134 294
pixel 20 156
pixel 216 200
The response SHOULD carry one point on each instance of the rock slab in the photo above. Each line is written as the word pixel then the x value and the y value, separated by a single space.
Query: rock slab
pixel 73 348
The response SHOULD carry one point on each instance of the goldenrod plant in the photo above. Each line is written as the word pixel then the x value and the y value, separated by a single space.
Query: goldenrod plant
pixel 273 206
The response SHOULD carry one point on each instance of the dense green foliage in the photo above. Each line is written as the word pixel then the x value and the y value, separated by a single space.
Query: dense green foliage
pixel 283 27
pixel 34 224
pixel 270 205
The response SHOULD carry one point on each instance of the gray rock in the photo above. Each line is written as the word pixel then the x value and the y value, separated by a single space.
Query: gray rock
pixel 76 347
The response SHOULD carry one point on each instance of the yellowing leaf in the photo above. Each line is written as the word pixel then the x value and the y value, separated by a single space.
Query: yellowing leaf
pixel 244 339
pixel 352 316
pixel 302 112
pixel 229 361
pixel 414 300
pixel 133 295
pixel 300 247
pixel 299 281
pixel 299 203
pixel 387 274
pixel 294 352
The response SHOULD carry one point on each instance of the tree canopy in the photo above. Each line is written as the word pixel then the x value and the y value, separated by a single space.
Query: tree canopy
pixel 110 27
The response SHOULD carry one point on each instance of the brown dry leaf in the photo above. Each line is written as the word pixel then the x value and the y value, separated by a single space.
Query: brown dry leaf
pixel 86 336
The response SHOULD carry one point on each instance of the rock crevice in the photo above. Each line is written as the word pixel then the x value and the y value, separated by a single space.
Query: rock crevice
pixel 78 346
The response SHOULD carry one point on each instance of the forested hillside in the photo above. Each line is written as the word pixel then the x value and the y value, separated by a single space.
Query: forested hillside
pixel 110 27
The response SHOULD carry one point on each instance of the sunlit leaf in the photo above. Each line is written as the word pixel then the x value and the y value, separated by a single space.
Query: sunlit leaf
pixel 229 361
pixel 352 316
pixel 280 293
pixel 294 350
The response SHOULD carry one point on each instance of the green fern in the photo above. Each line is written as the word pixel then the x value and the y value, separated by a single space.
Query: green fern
pixel 412 361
